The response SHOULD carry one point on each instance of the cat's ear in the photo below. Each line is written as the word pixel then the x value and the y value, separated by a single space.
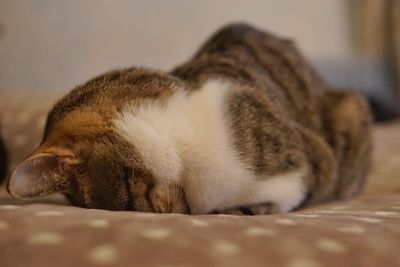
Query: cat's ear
pixel 41 174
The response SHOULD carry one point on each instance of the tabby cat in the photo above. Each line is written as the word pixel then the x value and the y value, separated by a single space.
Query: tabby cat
pixel 244 127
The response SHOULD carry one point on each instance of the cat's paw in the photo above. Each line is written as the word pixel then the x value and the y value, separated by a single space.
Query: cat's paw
pixel 169 199
pixel 255 209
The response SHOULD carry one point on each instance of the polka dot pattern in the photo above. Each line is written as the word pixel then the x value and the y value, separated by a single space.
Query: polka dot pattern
pixel 352 229
pixel 23 114
pixel 304 262
pixel 104 254
pixel 386 213
pixel 226 248
pixel 286 222
pixel 49 213
pixel 9 207
pixel 259 231
pixel 330 245
pixel 155 234
pixel 199 223
pixel 370 220
pixel 99 223
pixel 102 238
pixel 45 238
pixel 347 233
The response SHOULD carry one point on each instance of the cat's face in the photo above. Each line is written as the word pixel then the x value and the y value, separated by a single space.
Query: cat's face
pixel 83 157
pixel 94 168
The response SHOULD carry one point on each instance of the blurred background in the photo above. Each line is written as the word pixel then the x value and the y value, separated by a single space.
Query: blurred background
pixel 57 44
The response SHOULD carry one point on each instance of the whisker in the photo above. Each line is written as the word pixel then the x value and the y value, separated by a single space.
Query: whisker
pixel 168 194
pixel 177 192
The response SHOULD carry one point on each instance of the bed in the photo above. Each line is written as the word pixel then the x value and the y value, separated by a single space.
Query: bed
pixel 361 231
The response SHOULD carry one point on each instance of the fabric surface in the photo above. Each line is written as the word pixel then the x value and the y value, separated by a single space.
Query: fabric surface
pixel 363 231
pixel 360 232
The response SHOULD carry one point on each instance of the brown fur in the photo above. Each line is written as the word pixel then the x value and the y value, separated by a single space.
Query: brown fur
pixel 283 117
pixel 287 110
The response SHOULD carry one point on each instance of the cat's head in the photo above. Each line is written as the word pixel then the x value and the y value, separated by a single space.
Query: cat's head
pixel 83 156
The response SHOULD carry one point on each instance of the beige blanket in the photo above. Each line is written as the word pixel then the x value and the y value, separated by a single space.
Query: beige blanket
pixel 364 231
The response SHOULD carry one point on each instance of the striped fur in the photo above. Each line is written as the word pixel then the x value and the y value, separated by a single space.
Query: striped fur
pixel 244 127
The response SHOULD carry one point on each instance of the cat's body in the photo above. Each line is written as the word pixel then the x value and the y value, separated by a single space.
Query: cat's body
pixel 243 127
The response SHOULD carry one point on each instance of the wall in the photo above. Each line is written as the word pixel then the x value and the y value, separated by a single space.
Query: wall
pixel 56 44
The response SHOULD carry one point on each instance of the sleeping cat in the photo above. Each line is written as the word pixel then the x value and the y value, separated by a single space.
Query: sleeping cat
pixel 244 127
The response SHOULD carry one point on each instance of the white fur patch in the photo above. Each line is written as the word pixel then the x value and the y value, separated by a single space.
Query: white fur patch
pixel 148 130
pixel 286 191
pixel 188 141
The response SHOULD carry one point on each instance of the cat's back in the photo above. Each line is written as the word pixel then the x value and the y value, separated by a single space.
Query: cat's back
pixel 268 63
pixel 275 91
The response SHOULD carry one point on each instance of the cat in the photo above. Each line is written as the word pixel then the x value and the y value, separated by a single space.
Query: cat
pixel 244 127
